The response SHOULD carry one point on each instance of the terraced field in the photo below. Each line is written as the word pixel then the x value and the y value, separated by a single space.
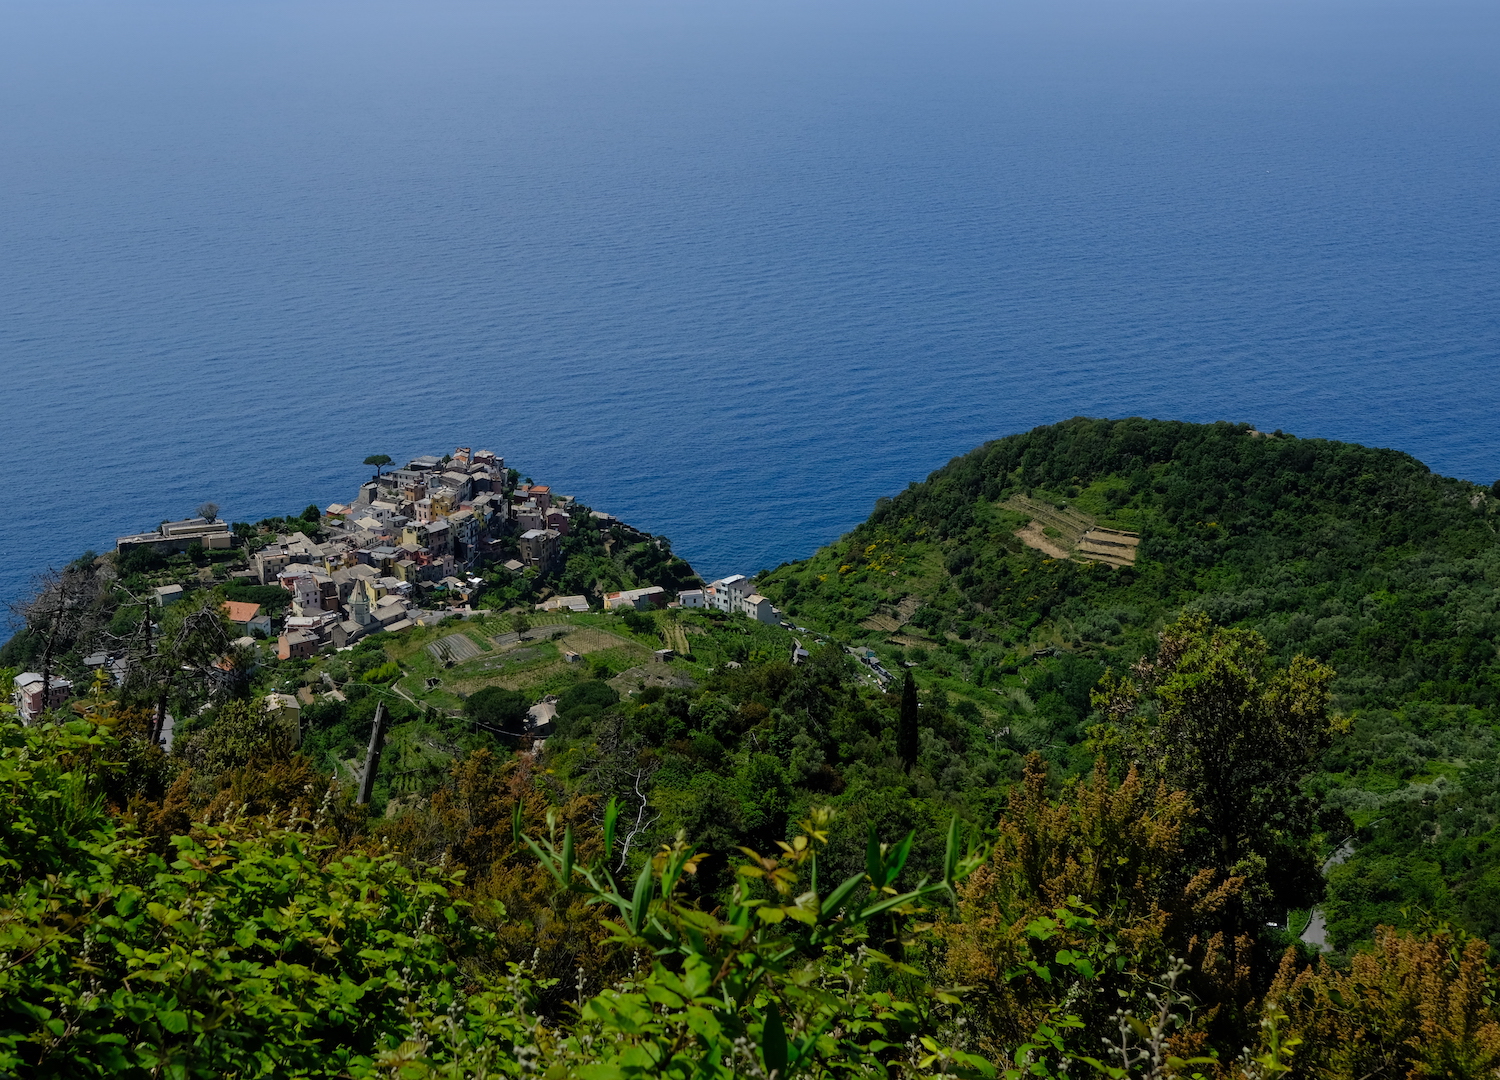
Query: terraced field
pixel 1069 534
pixel 529 659
pixel 894 619
pixel 454 648
pixel 1109 546
pixel 675 637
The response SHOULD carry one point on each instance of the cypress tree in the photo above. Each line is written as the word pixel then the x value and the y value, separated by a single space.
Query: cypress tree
pixel 907 742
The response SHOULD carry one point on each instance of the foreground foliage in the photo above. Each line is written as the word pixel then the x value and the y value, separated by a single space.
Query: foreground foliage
pixel 256 946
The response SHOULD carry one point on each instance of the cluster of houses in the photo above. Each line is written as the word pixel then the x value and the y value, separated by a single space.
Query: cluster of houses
pixel 428 523
pixel 867 657
pixel 733 595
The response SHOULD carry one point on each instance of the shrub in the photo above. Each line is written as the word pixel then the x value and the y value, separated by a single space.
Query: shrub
pixel 498 707
pixel 386 672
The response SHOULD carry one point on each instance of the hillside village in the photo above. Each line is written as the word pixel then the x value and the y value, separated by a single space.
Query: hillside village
pixel 582 696
pixel 439 537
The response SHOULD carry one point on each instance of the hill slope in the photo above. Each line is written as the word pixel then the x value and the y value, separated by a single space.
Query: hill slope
pixel 1013 576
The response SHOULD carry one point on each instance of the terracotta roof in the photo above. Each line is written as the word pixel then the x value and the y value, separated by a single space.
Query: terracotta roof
pixel 241 612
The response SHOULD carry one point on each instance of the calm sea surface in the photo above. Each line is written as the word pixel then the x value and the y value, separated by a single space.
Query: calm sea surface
pixel 730 270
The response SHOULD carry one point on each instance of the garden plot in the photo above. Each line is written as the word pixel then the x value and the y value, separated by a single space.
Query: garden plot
pixel 582 640
pixel 550 632
pixel 453 649
pixel 513 659
pixel 587 640
pixel 892 619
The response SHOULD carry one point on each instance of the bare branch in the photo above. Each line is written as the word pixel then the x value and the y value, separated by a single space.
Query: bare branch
pixel 639 815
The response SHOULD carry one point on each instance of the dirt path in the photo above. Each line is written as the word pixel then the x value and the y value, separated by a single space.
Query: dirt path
pixel 1033 537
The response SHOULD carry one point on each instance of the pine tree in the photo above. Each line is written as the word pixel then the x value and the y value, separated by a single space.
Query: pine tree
pixel 907 742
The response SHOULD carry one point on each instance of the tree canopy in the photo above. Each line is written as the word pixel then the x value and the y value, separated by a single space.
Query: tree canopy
pixel 498 707
pixel 380 461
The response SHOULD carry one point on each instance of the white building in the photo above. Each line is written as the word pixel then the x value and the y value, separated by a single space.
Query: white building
pixel 691 598
pixel 722 595
pixel 759 608
pixel 307 595
pixel 736 595
pixel 385 512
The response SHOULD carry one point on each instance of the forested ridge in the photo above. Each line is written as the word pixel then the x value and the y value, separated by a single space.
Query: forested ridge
pixel 1077 831
pixel 1361 558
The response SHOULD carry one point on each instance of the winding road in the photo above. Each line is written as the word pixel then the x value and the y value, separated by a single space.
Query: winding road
pixel 1316 933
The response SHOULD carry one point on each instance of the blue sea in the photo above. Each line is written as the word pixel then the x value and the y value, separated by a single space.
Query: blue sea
pixel 729 269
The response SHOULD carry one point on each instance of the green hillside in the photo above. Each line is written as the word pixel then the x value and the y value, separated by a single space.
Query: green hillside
pixel 1358 557
pixel 1065 748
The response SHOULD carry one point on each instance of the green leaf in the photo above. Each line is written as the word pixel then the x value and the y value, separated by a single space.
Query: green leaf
pixel 874 865
pixel 175 1022
pixel 773 1041
pixel 642 899
pixel 891 902
pixel 703 1022
pixel 637 1057
pixel 662 996
pixel 611 816
pixel 697 976
pixel 897 858
pixel 600 1072
pixel 837 898
pixel 950 856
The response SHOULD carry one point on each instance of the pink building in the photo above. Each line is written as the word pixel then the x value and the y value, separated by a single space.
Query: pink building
pixel 296 644
pixel 31 702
